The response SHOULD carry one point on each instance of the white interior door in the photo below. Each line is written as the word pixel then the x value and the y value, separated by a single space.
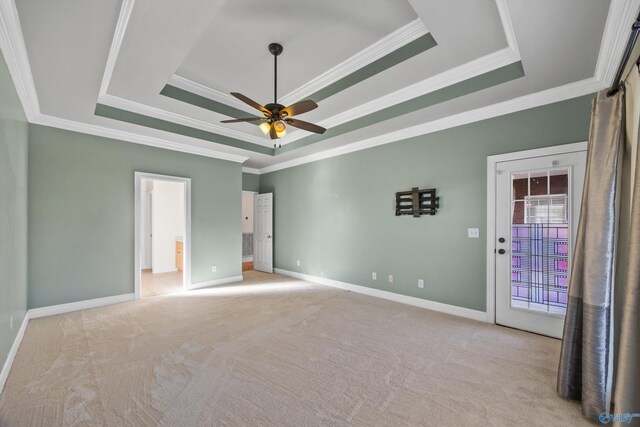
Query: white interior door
pixel 263 232
pixel 537 209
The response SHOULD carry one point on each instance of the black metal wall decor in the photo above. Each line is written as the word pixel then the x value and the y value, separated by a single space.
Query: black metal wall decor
pixel 417 202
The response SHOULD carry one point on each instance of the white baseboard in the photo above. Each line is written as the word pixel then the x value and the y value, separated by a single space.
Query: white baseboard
pixel 404 299
pixel 4 374
pixel 215 282
pixel 51 310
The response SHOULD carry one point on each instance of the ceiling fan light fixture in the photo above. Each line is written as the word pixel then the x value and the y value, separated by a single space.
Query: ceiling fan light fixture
pixel 265 127
pixel 279 125
pixel 281 129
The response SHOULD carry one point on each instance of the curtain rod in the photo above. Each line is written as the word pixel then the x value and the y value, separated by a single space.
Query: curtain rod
pixel 617 82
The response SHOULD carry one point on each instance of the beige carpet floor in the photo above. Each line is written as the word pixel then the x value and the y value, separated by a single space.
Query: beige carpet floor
pixel 275 351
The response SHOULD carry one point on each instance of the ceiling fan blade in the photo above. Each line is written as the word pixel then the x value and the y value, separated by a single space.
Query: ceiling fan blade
pixel 305 125
pixel 272 132
pixel 250 102
pixel 299 107
pixel 247 119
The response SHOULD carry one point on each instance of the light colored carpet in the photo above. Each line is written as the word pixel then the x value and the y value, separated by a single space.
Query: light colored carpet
pixel 277 351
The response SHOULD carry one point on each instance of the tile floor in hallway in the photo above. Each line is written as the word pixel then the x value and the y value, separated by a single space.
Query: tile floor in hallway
pixel 160 284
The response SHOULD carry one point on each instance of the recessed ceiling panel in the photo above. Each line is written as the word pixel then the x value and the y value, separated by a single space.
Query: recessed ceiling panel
pixel 222 45
pixel 232 53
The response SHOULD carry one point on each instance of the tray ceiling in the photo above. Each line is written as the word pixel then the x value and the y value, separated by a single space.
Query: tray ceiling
pixel 384 70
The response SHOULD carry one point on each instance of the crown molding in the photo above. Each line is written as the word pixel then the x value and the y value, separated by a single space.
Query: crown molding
pixel 507 25
pixel 207 92
pixel 121 135
pixel 622 14
pixel 121 27
pixel 251 170
pixel 390 43
pixel 124 104
pixel 159 113
pixel 15 55
pixel 452 76
pixel 549 96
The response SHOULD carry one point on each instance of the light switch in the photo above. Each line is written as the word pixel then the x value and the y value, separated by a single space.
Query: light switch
pixel 473 233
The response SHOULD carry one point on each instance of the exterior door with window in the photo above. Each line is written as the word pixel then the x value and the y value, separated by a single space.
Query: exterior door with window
pixel 263 232
pixel 537 209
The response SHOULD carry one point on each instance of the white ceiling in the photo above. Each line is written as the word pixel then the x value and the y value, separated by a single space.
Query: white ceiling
pixel 231 54
pixel 134 48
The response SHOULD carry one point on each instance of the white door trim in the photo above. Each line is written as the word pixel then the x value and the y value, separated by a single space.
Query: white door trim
pixel 138 177
pixel 491 209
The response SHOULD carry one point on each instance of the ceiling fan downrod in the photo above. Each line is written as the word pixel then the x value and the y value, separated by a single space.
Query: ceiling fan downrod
pixel 275 49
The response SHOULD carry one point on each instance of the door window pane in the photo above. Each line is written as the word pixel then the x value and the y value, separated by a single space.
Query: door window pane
pixel 539 240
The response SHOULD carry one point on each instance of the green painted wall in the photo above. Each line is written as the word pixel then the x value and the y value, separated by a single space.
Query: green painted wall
pixel 81 213
pixel 13 212
pixel 250 182
pixel 337 215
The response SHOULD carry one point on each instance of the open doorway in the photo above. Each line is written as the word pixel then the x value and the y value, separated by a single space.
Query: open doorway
pixel 247 230
pixel 162 234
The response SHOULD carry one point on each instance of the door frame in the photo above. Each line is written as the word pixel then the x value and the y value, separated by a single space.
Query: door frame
pixel 492 161
pixel 142 194
pixel 137 252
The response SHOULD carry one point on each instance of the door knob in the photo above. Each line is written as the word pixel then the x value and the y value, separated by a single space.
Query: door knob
pixel 501 240
pixel 501 251
pixel 268 236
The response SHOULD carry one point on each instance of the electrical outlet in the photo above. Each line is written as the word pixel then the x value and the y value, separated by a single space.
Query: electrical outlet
pixel 298 263
pixel 473 233
pixel 11 323
pixel 214 268
pixel 374 276
pixel 390 278
pixel 420 283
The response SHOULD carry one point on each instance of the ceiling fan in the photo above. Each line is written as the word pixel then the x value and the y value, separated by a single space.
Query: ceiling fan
pixel 276 115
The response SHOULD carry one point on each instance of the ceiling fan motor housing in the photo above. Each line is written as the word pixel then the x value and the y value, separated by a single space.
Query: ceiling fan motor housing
pixel 275 49
pixel 275 110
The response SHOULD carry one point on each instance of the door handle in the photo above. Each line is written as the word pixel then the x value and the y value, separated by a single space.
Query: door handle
pixel 268 236
pixel 501 251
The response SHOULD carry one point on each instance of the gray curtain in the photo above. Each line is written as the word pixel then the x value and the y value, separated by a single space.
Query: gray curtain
pixel 604 263
pixel 585 359
pixel 626 398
